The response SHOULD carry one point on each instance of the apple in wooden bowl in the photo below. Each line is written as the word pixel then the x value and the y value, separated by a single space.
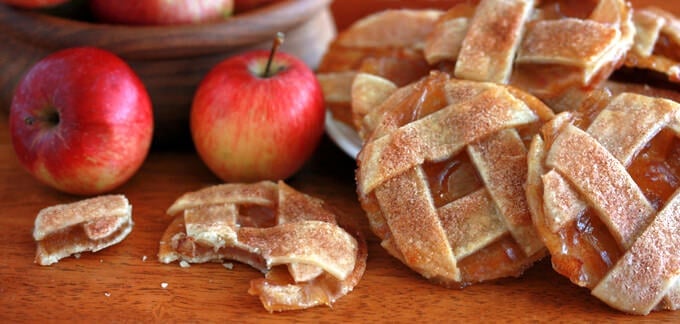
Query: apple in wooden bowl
pixel 170 60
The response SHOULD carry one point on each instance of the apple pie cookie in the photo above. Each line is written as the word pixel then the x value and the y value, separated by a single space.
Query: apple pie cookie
pixel 87 225
pixel 603 192
pixel 441 179
pixel 307 258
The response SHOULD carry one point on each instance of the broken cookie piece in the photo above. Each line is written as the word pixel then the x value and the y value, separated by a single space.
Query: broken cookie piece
pixel 307 259
pixel 87 225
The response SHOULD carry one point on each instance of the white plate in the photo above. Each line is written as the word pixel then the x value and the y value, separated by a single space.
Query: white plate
pixel 344 136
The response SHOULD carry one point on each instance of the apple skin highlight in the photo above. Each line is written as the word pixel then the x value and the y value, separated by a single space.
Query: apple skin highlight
pixel 246 127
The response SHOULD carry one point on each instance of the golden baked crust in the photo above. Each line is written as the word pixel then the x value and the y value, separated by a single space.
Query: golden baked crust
pixel 602 188
pixel 269 226
pixel 441 179
pixel 87 225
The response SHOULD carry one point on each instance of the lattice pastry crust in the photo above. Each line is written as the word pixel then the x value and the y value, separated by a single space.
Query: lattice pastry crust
pixel 532 45
pixel 441 179
pixel 602 188
pixel 308 260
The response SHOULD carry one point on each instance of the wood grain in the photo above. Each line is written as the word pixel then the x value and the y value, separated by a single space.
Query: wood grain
pixel 119 285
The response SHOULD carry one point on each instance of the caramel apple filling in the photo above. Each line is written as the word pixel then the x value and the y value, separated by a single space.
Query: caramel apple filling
pixel 587 250
pixel 657 168
pixel 452 179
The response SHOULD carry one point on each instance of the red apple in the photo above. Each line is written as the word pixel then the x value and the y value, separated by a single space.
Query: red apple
pixel 161 12
pixel 248 125
pixel 33 3
pixel 81 121
pixel 245 5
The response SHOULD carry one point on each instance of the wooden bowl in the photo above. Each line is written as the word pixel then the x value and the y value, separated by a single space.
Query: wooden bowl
pixel 170 60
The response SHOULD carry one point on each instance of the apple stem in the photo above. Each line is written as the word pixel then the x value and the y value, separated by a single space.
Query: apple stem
pixel 278 40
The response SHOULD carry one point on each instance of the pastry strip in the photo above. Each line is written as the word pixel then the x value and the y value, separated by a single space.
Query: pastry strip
pixel 639 115
pixel 415 226
pixel 471 223
pixel 648 26
pixel 491 41
pixel 261 193
pixel 501 160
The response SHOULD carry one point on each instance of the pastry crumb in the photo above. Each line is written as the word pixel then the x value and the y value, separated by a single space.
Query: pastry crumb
pixel 107 294
pixel 144 258
pixel 164 285
pixel 184 264
pixel 228 265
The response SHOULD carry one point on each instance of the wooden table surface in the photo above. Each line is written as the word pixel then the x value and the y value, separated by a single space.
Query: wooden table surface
pixel 125 282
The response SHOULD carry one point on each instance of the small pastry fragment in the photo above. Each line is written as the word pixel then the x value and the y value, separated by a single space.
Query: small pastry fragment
pixel 603 190
pixel 307 258
pixel 87 225
pixel 441 179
